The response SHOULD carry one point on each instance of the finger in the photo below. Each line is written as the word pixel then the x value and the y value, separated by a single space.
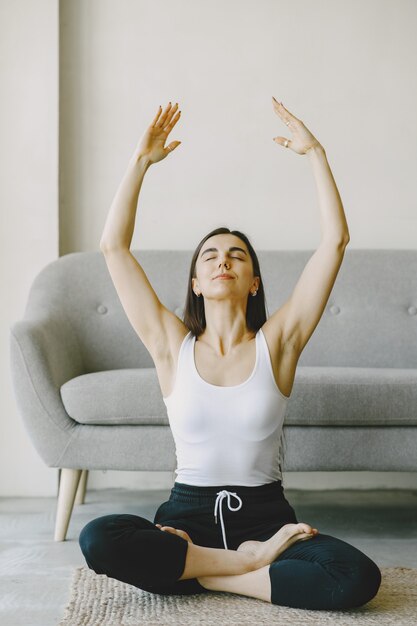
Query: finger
pixel 171 114
pixel 283 112
pixel 288 116
pixel 283 141
pixel 172 146
pixel 156 116
pixel 170 529
pixel 284 115
pixel 173 122
pixel 162 119
pixel 277 107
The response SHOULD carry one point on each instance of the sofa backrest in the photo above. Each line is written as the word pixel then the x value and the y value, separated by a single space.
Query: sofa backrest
pixel 370 319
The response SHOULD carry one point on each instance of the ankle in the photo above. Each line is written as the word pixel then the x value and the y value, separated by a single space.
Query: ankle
pixel 204 581
pixel 255 559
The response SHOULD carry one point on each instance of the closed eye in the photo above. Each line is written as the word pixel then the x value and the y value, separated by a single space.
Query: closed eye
pixel 233 257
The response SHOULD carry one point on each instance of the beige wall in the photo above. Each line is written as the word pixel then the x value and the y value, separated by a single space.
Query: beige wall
pixel 346 69
pixel 28 206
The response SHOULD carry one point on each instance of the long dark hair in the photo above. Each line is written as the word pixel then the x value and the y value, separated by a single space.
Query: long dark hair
pixel 256 311
pixel 194 316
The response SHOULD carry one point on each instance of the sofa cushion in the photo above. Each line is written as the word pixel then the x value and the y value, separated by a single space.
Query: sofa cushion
pixel 353 396
pixel 322 396
pixel 125 396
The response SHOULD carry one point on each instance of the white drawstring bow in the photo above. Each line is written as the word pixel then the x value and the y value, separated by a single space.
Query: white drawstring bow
pixel 220 495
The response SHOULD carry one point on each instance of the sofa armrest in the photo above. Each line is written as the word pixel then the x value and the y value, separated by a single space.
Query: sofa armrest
pixel 44 354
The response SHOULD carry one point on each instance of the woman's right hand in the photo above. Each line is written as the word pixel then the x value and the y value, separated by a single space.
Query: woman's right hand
pixel 175 531
pixel 151 145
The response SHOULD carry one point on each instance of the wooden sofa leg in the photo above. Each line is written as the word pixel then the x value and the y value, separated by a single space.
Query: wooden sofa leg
pixel 82 487
pixel 67 489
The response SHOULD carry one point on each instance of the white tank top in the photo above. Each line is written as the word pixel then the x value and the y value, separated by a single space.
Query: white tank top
pixel 226 435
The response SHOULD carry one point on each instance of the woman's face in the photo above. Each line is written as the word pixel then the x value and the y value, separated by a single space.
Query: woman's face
pixel 228 254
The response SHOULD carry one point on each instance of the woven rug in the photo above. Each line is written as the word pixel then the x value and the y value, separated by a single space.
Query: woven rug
pixel 96 600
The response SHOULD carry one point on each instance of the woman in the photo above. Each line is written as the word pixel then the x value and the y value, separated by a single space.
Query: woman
pixel 226 374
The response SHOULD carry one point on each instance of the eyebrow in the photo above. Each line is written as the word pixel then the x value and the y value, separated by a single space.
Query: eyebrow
pixel 230 250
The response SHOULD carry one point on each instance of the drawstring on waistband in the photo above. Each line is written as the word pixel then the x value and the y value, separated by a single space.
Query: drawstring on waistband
pixel 220 495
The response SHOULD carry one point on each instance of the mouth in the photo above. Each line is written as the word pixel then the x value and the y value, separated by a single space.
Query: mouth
pixel 224 277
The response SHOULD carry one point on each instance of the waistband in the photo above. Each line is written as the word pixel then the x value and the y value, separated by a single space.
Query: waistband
pixel 206 495
pixel 191 493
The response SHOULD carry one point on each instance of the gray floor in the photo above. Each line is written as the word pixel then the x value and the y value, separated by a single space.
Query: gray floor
pixel 35 571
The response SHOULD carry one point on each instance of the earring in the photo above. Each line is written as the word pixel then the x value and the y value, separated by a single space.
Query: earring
pixel 254 293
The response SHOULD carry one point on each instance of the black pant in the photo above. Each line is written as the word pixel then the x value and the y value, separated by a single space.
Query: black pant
pixel 320 573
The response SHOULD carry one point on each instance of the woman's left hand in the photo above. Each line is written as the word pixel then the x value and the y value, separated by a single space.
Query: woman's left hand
pixel 302 139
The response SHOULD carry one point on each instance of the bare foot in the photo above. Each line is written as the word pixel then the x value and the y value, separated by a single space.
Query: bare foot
pixel 265 552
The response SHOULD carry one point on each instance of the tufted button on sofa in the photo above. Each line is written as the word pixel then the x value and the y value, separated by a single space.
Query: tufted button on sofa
pixel 88 393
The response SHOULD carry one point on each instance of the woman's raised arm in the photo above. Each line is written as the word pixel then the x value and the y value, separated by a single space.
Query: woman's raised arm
pixel 297 318
pixel 120 223
pixel 153 322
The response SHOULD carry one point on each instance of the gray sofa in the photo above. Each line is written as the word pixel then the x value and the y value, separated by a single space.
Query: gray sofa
pixel 87 389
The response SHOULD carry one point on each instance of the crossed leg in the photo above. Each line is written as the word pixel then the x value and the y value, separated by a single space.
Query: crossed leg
pixel 131 549
pixel 323 573
pixel 256 584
